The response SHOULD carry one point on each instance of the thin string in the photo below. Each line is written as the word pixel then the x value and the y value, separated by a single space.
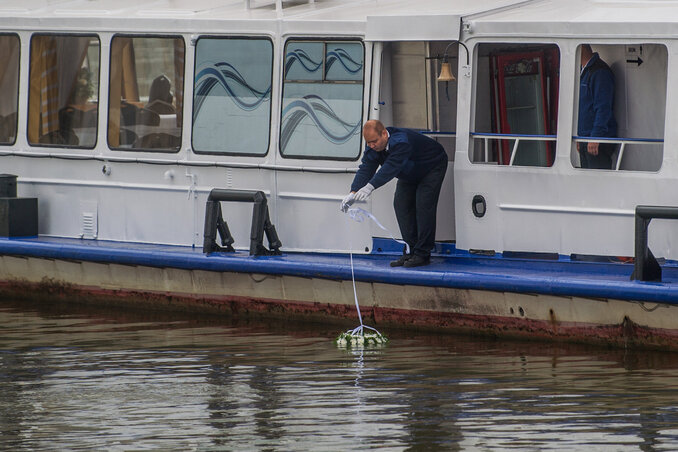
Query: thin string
pixel 355 293
pixel 358 215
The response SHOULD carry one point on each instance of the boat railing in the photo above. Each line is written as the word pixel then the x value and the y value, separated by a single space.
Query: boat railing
pixel 433 134
pixel 621 141
pixel 516 137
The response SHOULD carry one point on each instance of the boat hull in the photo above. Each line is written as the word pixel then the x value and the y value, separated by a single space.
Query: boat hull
pixel 500 313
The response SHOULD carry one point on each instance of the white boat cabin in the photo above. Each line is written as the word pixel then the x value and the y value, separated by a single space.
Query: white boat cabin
pixel 121 116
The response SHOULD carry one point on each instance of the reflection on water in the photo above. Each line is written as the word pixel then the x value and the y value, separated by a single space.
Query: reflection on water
pixel 78 378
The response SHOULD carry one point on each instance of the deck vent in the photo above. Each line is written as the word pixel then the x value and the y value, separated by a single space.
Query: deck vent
pixel 88 223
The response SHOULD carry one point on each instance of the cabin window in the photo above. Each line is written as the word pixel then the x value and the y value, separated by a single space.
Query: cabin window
pixel 9 87
pixel 322 99
pixel 620 107
pixel 146 93
pixel 232 96
pixel 64 91
pixel 516 104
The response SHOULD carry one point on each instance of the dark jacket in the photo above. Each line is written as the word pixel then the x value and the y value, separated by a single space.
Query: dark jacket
pixel 410 156
pixel 596 100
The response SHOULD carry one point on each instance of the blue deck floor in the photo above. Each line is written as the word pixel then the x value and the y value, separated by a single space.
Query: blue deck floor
pixel 449 267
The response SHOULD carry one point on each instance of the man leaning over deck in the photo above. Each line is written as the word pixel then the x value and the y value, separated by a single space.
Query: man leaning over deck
pixel 596 110
pixel 419 163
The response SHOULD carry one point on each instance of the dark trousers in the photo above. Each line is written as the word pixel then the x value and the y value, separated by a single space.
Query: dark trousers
pixel 601 161
pixel 415 208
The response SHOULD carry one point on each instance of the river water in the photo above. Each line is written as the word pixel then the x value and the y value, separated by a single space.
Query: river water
pixel 77 378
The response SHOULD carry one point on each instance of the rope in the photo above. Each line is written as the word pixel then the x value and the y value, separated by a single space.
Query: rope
pixel 359 215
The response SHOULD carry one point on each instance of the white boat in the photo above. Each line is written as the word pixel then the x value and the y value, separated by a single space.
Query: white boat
pixel 123 120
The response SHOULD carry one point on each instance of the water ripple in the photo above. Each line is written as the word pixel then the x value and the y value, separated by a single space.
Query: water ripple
pixel 101 380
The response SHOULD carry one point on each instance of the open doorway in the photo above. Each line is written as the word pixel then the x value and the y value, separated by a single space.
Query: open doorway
pixel 636 103
pixel 516 104
pixel 410 96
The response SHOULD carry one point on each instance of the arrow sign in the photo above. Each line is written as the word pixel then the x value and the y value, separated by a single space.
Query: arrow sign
pixel 637 60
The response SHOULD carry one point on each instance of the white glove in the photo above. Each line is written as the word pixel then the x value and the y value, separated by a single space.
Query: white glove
pixel 364 193
pixel 347 201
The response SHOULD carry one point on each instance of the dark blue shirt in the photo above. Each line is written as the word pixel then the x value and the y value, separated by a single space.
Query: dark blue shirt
pixel 596 100
pixel 409 157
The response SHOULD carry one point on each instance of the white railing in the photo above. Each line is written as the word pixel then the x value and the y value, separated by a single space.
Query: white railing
pixel 486 137
pixel 438 134
pixel 621 141
pixel 517 137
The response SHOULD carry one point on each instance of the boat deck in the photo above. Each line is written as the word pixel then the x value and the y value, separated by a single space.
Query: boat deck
pixel 449 267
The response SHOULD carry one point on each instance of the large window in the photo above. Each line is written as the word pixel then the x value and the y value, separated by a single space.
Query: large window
pixel 621 107
pixel 232 95
pixel 146 93
pixel 322 99
pixel 9 87
pixel 516 104
pixel 64 91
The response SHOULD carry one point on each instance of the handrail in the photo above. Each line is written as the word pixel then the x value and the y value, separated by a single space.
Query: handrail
pixel 646 267
pixel 512 135
pixel 577 139
pixel 261 223
pixel 509 136
pixel 432 133
pixel 622 141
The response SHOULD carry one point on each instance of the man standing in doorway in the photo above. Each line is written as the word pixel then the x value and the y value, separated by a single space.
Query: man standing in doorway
pixel 596 110
pixel 419 163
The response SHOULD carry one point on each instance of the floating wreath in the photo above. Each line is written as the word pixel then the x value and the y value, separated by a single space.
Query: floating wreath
pixel 358 338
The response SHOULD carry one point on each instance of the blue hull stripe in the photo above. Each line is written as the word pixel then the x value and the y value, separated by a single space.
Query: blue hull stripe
pixel 455 270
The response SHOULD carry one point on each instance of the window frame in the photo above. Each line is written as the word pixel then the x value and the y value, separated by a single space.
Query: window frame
pixel 475 55
pixel 324 41
pixel 575 98
pixel 28 105
pixel 108 113
pixel 270 107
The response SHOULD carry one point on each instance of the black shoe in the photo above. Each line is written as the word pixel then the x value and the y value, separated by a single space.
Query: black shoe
pixel 417 261
pixel 401 260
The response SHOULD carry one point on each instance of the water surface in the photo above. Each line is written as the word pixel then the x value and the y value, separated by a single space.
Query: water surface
pixel 80 378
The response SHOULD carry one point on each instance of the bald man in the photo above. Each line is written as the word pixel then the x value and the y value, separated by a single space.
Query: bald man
pixel 419 163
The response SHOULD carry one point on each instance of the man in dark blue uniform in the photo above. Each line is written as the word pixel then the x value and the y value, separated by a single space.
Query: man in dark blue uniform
pixel 419 163
pixel 596 110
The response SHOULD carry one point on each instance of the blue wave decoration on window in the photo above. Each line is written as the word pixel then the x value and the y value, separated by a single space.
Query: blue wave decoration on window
pixel 310 106
pixel 223 74
pixel 303 58
pixel 342 57
pixel 352 66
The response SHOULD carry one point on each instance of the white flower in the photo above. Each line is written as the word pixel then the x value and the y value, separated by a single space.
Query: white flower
pixel 360 338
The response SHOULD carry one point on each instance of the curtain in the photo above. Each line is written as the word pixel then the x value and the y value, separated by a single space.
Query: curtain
pixel 44 88
pixel 123 84
pixel 71 53
pixel 130 87
pixel 9 74
pixel 179 52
